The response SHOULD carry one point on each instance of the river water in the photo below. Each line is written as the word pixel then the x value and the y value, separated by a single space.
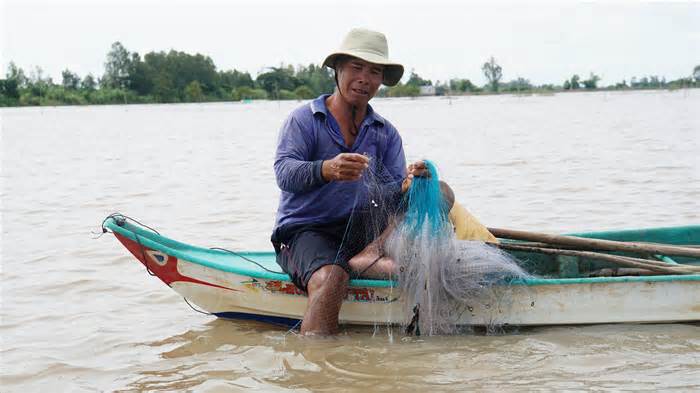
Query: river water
pixel 80 314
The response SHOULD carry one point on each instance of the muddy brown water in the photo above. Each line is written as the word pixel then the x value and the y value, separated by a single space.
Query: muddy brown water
pixel 79 314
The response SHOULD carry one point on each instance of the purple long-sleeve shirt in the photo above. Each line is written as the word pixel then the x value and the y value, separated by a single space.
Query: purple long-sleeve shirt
pixel 311 135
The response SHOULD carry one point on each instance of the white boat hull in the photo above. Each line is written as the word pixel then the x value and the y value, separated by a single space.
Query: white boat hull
pixel 543 302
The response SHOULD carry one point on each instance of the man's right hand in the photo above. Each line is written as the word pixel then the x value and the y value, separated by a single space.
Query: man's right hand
pixel 344 167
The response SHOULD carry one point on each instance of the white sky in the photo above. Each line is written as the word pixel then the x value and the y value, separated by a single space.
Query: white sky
pixel 543 42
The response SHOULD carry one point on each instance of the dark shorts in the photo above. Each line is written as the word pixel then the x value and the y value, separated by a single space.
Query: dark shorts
pixel 303 249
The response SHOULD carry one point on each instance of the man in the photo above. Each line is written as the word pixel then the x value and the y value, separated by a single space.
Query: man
pixel 324 148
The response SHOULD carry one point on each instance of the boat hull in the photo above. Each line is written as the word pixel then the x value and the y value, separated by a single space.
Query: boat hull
pixel 227 294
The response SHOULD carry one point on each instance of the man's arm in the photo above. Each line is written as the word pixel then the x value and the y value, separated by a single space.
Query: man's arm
pixel 295 169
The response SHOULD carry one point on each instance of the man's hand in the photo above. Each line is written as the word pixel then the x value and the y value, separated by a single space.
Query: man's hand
pixel 344 167
pixel 419 169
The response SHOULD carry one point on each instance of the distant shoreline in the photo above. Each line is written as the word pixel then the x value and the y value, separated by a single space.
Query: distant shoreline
pixel 445 96
pixel 179 77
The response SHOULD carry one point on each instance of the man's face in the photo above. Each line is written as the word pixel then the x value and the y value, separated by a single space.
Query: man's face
pixel 359 80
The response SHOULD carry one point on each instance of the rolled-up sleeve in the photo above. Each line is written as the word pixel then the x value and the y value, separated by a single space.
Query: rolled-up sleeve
pixel 295 169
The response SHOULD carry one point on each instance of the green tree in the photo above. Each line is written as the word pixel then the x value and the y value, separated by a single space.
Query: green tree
pixel 229 80
pixel 10 86
pixel 519 84
pixel 59 95
pixel 654 82
pixel 304 93
pixel 278 78
pixel 185 68
pixel 117 67
pixel 319 79
pixel 696 73
pixel 416 80
pixel 592 82
pixel 247 93
pixel 493 73
pixel 402 90
pixel 163 89
pixel 17 74
pixel 621 85
pixel 112 96
pixel 141 75
pixel 70 80
pixel 575 82
pixel 193 92
pixel 88 84
pixel 286 95
pixel 9 94
pixel 462 85
pixel 37 85
pixel 166 75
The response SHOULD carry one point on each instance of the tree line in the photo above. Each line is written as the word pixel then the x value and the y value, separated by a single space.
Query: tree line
pixel 174 76
pixel 162 77
pixel 493 73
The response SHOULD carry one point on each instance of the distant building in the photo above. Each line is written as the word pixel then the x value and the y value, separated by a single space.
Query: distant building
pixel 427 90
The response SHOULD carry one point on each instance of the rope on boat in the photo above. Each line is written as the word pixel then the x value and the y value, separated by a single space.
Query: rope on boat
pixel 192 307
pixel 246 259
pixel 120 219
pixel 143 255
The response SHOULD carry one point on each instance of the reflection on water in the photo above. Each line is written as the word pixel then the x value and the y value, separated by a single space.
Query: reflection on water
pixel 79 314
pixel 361 358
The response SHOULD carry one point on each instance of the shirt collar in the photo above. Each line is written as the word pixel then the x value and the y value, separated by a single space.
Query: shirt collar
pixel 319 106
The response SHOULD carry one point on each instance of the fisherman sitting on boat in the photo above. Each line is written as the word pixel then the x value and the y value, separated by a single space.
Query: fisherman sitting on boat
pixel 323 149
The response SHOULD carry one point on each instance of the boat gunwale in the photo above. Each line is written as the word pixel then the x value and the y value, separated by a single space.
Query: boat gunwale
pixel 146 238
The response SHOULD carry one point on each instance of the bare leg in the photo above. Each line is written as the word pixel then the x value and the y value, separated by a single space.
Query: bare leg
pixel 327 288
pixel 371 263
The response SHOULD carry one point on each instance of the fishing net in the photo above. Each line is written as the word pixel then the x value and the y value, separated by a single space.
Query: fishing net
pixel 375 204
pixel 439 277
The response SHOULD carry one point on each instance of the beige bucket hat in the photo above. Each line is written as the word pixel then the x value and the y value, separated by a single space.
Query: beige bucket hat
pixel 371 47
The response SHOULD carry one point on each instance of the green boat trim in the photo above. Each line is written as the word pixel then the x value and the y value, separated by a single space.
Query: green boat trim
pixel 264 264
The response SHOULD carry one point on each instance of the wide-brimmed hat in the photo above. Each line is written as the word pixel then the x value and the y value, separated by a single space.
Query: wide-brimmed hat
pixel 371 47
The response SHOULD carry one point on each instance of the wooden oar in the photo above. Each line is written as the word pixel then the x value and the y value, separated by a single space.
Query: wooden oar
pixel 597 244
pixel 573 248
pixel 552 245
pixel 617 259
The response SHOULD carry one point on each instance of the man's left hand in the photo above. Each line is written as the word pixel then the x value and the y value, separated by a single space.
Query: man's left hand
pixel 419 169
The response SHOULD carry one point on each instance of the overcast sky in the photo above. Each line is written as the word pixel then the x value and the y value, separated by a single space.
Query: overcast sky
pixel 542 42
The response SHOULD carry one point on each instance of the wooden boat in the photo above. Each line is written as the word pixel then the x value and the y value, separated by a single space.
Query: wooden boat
pixel 250 285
